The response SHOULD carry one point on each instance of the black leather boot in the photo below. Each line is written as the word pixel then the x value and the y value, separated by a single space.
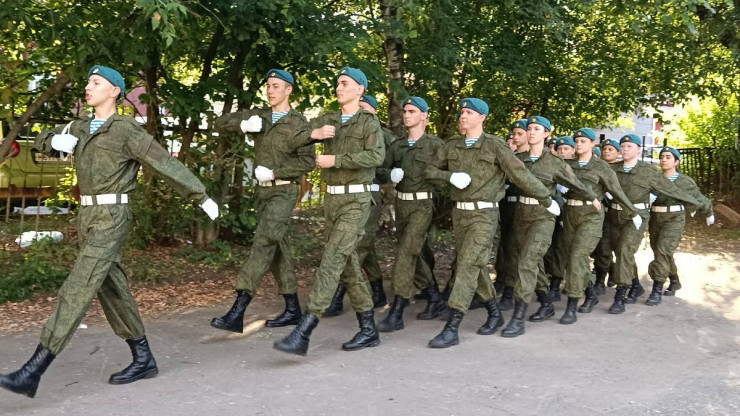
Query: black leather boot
pixel 368 335
pixel 618 305
pixel 234 319
pixel 448 337
pixel 516 323
pixel 546 309
pixel 394 320
pixel 495 318
pixel 590 301
pixel 599 285
pixel 421 295
pixel 379 298
pixel 436 305
pixel 507 299
pixel 570 316
pixel 297 341
pixel 143 365
pixel 636 290
pixel 290 315
pixel 656 295
pixel 26 380
pixel 673 286
pixel 336 307
pixel 611 282
pixel 555 289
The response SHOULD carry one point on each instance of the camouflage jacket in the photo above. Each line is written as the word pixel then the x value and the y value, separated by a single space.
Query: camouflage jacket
pixel 644 178
pixel 687 185
pixel 414 161
pixel 599 177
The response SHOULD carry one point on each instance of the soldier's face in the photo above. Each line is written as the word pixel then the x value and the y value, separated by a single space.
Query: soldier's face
pixel 100 90
pixel 609 153
pixel 470 119
pixel 537 134
pixel 630 151
pixel 511 144
pixel 278 91
pixel 668 161
pixel 367 107
pixel 348 90
pixel 519 137
pixel 413 117
pixel 565 151
pixel 583 146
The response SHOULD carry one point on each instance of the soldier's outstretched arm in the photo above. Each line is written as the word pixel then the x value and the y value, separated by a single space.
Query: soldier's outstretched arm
pixel 42 142
pixel 306 162
pixel 520 176
pixel 231 123
pixel 437 169
pixel 611 183
pixel 705 205
pixel 565 176
pixel 383 173
pixel 372 154
pixel 661 184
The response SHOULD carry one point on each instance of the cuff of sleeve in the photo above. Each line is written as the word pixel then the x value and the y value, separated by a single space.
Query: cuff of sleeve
pixel 545 202
pixel 338 161
pixel 203 200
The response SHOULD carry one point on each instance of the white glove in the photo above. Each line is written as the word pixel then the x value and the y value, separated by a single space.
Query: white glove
pixel 562 189
pixel 608 196
pixel 211 208
pixel 506 187
pixel 64 143
pixel 460 180
pixel 637 220
pixel 263 174
pixel 396 175
pixel 710 220
pixel 554 208
pixel 251 125
pixel 653 197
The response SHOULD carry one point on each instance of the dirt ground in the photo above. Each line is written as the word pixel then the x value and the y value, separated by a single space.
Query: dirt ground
pixel 679 358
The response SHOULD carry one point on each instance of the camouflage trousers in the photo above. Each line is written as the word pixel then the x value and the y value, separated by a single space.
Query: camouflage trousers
pixel 270 247
pixel 533 238
pixel 506 246
pixel 345 216
pixel 473 232
pixel 412 270
pixel 366 246
pixel 666 230
pixel 582 231
pixel 98 271
pixel 602 254
pixel 557 254
pixel 625 240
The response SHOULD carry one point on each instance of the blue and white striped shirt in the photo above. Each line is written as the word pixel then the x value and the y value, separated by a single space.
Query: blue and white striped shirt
pixel 95 124
pixel 627 169
pixel 533 158
pixel 412 143
pixel 346 117
pixel 674 177
pixel 471 142
pixel 582 164
pixel 277 115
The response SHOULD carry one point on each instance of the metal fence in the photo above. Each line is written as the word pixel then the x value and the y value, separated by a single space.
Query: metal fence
pixel 715 170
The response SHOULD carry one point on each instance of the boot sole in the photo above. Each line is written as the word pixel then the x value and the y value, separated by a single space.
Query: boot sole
pixel 382 328
pixel 225 328
pixel 482 331
pixel 616 312
pixel 275 324
pixel 370 345
pixel 440 346
pixel 151 373
pixel 28 393
pixel 288 351
pixel 511 335
pixel 548 316
pixel 568 322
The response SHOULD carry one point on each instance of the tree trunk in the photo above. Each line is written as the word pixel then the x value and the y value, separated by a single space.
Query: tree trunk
pixel 393 48
pixel 18 124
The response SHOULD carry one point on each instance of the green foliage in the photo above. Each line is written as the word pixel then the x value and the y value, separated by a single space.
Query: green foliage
pixel 144 268
pixel 42 267
pixel 219 254
pixel 704 122
pixel 160 216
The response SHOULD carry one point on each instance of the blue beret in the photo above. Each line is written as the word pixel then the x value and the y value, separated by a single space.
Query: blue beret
pixel 370 100
pixel 519 124
pixel 631 138
pixel 672 151
pixel 566 140
pixel 110 74
pixel 280 74
pixel 585 132
pixel 551 141
pixel 541 121
pixel 475 104
pixel 417 102
pixel 355 74
pixel 613 143
pixel 597 151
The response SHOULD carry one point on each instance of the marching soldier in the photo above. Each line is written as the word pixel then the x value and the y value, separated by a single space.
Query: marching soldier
pixel 603 254
pixel 476 165
pixel 281 159
pixel 353 148
pixel 109 149
pixel 667 222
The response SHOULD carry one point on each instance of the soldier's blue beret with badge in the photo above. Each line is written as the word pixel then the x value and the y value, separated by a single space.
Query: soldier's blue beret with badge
pixel 551 142
pixel 672 151
pixel 354 73
pixel 417 102
pixel 111 75
pixel 542 121
pixel 475 104
pixel 631 138
pixel 280 74
pixel 597 151
pixel 519 124
pixel 585 132
pixel 565 140
pixel 613 143
pixel 367 98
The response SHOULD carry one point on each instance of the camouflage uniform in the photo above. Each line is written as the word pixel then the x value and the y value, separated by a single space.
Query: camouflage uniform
pixel 359 149
pixel 282 148
pixel 506 247
pixel 412 270
pixel 666 228
pixel 108 162
pixel 533 224
pixel 488 162
pixel 583 224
